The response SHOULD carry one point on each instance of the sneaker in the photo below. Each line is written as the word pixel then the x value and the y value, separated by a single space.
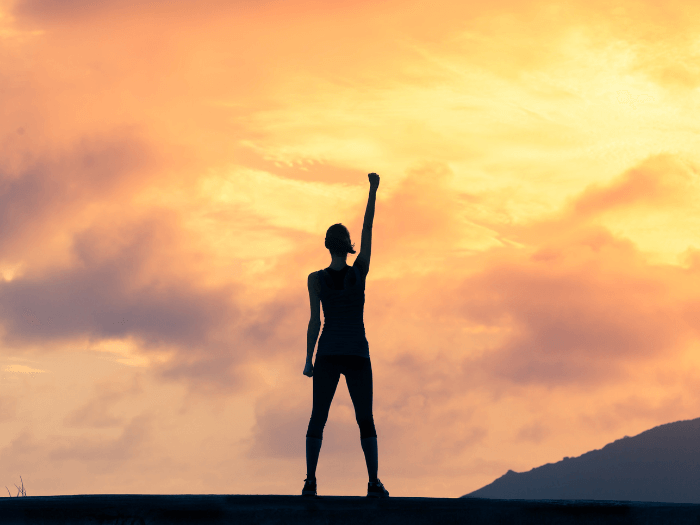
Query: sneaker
pixel 309 488
pixel 376 490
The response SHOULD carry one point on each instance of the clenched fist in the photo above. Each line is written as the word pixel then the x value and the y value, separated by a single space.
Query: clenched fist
pixel 373 180
pixel 309 369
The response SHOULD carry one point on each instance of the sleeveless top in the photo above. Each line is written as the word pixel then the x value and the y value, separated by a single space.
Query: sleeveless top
pixel 342 295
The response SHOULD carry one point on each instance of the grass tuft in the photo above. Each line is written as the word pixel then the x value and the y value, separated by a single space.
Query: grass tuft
pixel 20 490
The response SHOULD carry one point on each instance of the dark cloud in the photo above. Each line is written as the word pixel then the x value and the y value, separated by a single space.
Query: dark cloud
pixel 125 273
pixel 97 169
pixel 75 11
pixel 61 10
pixel 98 297
pixel 58 8
pixel 121 281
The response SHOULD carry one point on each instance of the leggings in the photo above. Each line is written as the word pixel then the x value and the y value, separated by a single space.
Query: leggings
pixel 358 376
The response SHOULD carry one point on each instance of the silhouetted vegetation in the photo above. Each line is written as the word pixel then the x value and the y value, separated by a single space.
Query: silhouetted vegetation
pixel 20 490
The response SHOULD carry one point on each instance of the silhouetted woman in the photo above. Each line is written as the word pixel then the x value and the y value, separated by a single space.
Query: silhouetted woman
pixel 342 347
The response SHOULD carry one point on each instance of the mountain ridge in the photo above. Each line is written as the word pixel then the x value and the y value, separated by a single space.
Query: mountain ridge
pixel 661 464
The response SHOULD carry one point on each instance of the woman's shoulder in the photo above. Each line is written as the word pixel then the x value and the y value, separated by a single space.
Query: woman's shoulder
pixel 361 267
pixel 315 279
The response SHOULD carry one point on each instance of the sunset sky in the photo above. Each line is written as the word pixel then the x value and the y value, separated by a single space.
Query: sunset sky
pixel 169 168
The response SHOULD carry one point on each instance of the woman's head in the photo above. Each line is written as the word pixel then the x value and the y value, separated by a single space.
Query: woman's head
pixel 338 241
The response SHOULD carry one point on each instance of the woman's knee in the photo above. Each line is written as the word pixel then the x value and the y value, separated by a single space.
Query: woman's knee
pixel 315 428
pixel 367 427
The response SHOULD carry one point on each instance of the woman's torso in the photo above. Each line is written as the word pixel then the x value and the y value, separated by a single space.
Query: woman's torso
pixel 342 294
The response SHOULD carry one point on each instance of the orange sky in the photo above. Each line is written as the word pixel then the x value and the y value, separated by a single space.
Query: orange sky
pixel 168 172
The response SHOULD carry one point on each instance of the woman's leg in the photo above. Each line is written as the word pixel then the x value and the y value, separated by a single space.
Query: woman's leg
pixel 359 380
pixel 369 447
pixel 326 376
pixel 313 448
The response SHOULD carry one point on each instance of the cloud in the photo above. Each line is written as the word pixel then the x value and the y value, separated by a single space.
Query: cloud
pixel 168 169
pixel 574 311
pixel 94 413
pixel 660 181
pixel 534 432
pixel 134 438
pixel 57 188
pixel 8 408
pixel 111 292
pixel 582 302
pixel 577 314
pixel 52 11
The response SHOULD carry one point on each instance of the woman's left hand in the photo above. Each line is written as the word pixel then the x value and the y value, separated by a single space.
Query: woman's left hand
pixel 309 369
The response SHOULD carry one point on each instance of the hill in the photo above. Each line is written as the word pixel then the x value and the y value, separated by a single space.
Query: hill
pixel 661 464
